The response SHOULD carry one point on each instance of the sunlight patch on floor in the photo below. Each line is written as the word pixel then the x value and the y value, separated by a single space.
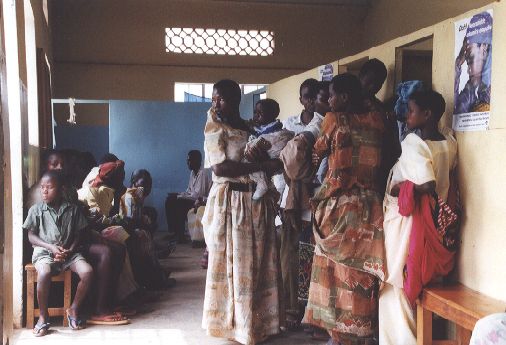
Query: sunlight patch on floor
pixel 97 336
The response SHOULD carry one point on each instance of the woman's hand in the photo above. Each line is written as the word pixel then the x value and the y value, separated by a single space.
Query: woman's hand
pixel 272 166
pixel 257 153
pixel 395 190
pixel 462 54
pixel 199 202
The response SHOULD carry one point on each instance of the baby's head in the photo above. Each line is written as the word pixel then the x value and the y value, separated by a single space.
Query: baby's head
pixel 51 186
pixel 266 111
pixel 141 178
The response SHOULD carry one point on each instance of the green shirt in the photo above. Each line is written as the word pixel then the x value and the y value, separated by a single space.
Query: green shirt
pixel 58 227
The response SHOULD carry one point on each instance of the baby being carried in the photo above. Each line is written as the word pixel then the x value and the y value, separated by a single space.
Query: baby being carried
pixel 270 137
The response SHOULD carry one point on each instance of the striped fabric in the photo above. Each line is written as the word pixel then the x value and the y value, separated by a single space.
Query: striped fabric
pixel 241 296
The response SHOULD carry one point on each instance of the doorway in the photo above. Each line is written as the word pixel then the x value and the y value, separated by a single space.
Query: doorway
pixel 414 62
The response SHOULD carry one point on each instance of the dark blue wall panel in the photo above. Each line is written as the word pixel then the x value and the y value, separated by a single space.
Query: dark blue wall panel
pixel 94 139
pixel 157 136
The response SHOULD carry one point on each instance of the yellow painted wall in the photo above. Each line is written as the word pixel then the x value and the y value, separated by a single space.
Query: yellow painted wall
pixel 286 92
pixel 387 19
pixel 116 50
pixel 482 162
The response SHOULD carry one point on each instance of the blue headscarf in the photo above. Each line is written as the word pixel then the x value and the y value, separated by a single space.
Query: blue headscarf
pixel 404 90
pixel 479 31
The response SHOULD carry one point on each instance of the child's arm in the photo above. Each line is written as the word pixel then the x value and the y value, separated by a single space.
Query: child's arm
pixel 35 240
pixel 256 151
pixel 32 225
pixel 425 188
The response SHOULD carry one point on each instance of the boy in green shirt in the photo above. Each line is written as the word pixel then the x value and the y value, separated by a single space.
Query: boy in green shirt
pixel 54 229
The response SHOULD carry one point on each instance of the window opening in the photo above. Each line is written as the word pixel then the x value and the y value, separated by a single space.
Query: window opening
pixel 219 41
pixel 203 92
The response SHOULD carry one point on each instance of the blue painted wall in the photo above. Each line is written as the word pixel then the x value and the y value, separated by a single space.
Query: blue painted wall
pixel 94 139
pixel 157 136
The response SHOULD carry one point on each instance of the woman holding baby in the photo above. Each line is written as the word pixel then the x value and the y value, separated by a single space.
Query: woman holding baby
pixel 241 297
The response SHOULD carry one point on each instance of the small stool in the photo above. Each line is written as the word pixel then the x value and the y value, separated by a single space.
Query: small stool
pixel 31 279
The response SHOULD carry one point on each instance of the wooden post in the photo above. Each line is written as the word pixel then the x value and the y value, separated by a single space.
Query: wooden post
pixel 67 287
pixel 463 335
pixel 423 325
pixel 30 298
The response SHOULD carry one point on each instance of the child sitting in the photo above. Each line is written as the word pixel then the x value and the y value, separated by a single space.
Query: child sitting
pixel 269 139
pixel 145 264
pixel 54 229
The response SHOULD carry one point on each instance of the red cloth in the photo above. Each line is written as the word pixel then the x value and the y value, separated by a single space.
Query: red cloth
pixel 427 257
pixel 107 173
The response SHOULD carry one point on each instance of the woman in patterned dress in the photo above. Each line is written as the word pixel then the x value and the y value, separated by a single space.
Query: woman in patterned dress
pixel 241 297
pixel 348 218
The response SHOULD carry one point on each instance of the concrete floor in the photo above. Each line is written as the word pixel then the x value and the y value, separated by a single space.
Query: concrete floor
pixel 175 317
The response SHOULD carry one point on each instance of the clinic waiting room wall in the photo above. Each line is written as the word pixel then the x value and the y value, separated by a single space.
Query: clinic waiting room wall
pixel 94 139
pixel 157 135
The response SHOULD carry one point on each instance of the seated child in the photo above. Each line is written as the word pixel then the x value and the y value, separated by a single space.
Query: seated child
pixel 54 229
pixel 145 264
pixel 269 138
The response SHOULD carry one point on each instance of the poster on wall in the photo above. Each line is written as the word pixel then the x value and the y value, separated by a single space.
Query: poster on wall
pixel 326 72
pixel 473 71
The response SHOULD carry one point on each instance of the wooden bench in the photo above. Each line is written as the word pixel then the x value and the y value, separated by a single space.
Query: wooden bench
pixel 455 303
pixel 31 279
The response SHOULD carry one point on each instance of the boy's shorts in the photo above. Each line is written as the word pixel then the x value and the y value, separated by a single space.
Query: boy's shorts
pixel 56 267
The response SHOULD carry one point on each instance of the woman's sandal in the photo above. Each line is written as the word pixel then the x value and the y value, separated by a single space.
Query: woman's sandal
pixel 75 323
pixel 113 319
pixel 41 330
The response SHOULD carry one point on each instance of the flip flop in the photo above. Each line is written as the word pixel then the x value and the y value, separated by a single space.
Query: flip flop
pixel 75 323
pixel 41 330
pixel 113 319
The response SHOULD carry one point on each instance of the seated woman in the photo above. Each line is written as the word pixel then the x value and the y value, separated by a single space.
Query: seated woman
pixel 100 197
pixel 147 269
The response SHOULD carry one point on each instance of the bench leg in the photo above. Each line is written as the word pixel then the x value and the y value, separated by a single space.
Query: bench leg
pixel 423 326
pixel 67 287
pixel 30 300
pixel 463 335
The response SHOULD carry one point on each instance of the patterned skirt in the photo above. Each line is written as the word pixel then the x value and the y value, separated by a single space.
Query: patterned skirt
pixel 241 298
pixel 306 252
pixel 347 266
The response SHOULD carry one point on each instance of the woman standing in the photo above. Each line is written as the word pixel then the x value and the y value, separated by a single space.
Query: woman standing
pixel 241 298
pixel 348 219
pixel 426 163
